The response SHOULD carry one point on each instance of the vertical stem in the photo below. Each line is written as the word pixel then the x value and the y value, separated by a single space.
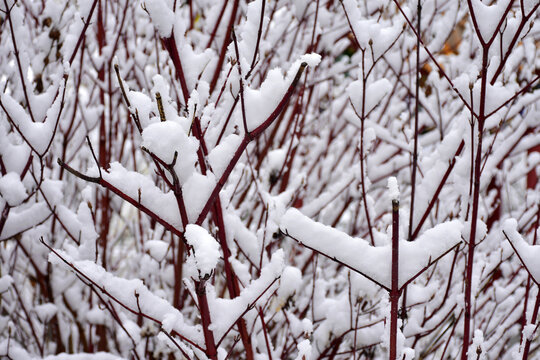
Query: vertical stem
pixel 475 205
pixel 265 332
pixel 211 351
pixel 216 24
pixel 179 262
pixel 416 110
pixel 103 197
pixel 394 291
pixel 170 45
pixel 415 149
pixel 533 321
pixel 362 173
pixel 232 279
pixel 226 40
pixel 532 176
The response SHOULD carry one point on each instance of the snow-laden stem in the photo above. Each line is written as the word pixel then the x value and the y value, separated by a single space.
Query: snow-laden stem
pixel 394 291
pixel 230 275
pixel 95 286
pixel 248 137
pixel 435 196
pixel 104 183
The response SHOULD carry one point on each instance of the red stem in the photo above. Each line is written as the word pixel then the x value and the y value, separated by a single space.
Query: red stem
pixel 211 350
pixel 527 347
pixel 394 291
pixel 223 51
pixel 170 45
pixel 475 205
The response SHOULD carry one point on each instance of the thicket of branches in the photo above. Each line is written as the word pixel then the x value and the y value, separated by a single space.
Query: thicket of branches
pixel 152 154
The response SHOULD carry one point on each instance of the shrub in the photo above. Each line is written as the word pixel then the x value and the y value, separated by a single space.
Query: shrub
pixel 269 179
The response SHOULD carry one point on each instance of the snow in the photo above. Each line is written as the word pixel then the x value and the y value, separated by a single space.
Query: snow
pixel 374 262
pixel 434 167
pixel 157 249
pixel 260 103
pixel 45 312
pixel 300 7
pixel 142 188
pixel 38 134
pixel 311 59
pixel 309 302
pixel 96 316
pixel 164 138
pixel 15 351
pixel 393 189
pixel 528 331
pixel 225 312
pixel 372 31
pixel 370 135
pixel 348 179
pixel 247 240
pixel 304 350
pixel 197 65
pixel 276 158
pixel 290 283
pixel 488 17
pixel 142 104
pixel 196 191
pixel 248 33
pixel 81 225
pixel 163 87
pixel 477 349
pixel 307 327
pixel 528 254
pixel 375 92
pixel 162 16
pixel 12 189
pixel 14 155
pixel 220 156
pixel 44 105
pixel 5 283
pixel 205 249
pixel 528 5
pixel 23 219
pixel 53 190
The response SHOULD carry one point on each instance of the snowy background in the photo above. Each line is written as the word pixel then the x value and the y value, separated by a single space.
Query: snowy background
pixel 269 179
